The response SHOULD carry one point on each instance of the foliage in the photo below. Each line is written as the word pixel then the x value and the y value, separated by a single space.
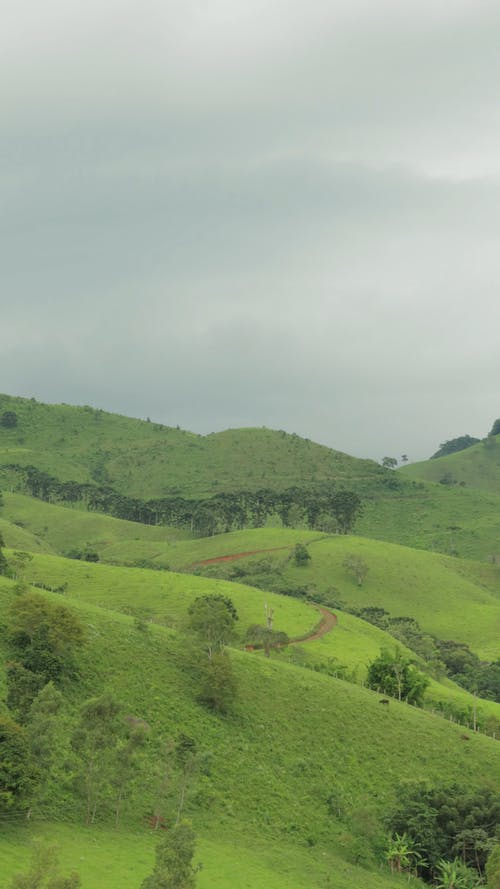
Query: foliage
pixel 454 445
pixel 493 868
pixel 357 566
pixel 212 619
pixel 174 867
pixel 3 560
pixel 45 635
pixel 96 741
pixel 469 671
pixel 8 419
pixel 455 875
pixel 447 822
pixel 44 871
pixel 47 732
pixel 218 685
pixel 402 853
pixel 301 554
pixel 495 429
pixel 15 772
pixel 265 637
pixel 393 674
pixel 23 685
pixel 389 462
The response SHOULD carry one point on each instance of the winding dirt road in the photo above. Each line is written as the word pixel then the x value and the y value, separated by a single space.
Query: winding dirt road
pixel 328 618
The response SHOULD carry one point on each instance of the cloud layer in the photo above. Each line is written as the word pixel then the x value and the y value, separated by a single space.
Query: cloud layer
pixel 256 213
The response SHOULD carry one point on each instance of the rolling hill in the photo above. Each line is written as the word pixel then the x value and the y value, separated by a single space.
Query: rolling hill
pixel 294 738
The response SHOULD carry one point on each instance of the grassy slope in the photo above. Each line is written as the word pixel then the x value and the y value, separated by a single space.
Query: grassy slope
pixel 476 467
pixel 294 738
pixel 457 521
pixel 146 459
pixel 164 598
pixel 449 597
pixel 110 859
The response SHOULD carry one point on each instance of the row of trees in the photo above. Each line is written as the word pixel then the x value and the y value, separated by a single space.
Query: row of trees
pixel 324 506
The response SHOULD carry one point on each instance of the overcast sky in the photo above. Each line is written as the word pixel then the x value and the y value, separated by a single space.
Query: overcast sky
pixel 255 212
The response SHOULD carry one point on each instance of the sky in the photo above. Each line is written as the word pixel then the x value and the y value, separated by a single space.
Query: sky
pixel 246 213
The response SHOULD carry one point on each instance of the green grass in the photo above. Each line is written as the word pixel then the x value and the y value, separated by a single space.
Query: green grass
pixel 294 738
pixel 110 859
pixel 475 467
pixel 449 597
pixel 146 459
pixel 55 528
pixel 164 598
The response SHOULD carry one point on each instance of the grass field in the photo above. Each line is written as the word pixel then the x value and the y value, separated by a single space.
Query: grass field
pixel 110 859
pixel 164 598
pixel 293 739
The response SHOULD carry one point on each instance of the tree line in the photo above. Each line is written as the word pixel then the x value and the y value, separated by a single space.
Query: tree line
pixel 322 507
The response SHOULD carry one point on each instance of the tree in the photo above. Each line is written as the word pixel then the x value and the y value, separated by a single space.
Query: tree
pixel 8 420
pixel 436 818
pixel 401 853
pixel 495 429
pixel 48 733
pixel 346 507
pixel 44 871
pixel 455 875
pixel 389 462
pixel 394 675
pixel 357 566
pixel 212 619
pixel 128 760
pixel 15 774
pixel 301 555
pixel 3 560
pixel 218 684
pixel 265 637
pixel 174 860
pixel 22 688
pixel 454 445
pixel 95 741
pixel 44 635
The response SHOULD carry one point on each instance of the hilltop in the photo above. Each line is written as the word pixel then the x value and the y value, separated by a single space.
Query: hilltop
pixel 144 459
pixel 477 466
pixel 116 464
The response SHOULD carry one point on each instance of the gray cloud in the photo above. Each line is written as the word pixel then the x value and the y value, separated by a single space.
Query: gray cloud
pixel 256 213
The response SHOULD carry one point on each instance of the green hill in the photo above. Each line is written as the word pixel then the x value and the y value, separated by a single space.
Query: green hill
pixel 475 467
pixel 295 738
pixel 144 459
pixel 295 781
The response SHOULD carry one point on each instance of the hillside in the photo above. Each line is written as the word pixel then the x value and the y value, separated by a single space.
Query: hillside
pixel 296 778
pixel 475 467
pixel 450 597
pixel 294 739
pixel 144 459
pixel 163 598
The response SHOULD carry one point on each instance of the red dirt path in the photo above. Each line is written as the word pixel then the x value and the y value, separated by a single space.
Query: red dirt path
pixel 328 620
pixel 233 556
